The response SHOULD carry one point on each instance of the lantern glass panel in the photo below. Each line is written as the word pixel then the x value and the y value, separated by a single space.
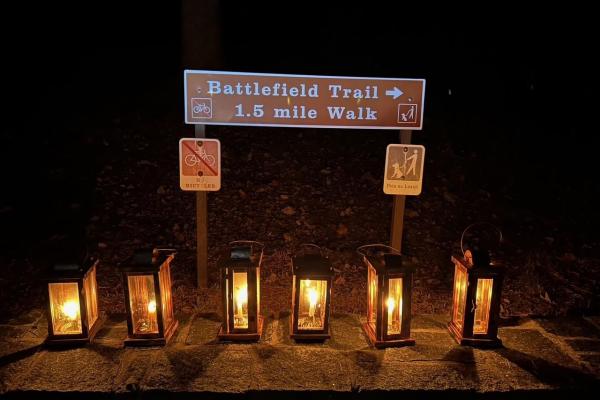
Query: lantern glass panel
pixel 142 301
pixel 65 308
pixel 240 300
pixel 483 301
pixel 91 296
pixel 311 307
pixel 393 305
pixel 164 277
pixel 372 300
pixel 460 295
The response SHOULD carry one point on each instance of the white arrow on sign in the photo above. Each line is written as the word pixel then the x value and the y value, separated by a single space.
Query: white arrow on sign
pixel 395 93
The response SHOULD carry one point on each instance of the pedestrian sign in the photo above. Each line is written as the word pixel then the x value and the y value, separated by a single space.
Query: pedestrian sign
pixel 200 164
pixel 404 169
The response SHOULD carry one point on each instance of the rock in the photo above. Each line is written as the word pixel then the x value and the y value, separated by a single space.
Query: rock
pixel 450 198
pixel 346 212
pixel 102 245
pixel 161 190
pixel 339 281
pixel 284 197
pixel 288 210
pixel 411 213
pixel 342 230
pixel 287 237
pixel 243 194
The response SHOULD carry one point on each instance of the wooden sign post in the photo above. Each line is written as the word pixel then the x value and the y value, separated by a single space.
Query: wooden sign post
pixel 399 205
pixel 201 226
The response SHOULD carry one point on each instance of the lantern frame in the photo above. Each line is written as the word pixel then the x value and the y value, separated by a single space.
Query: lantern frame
pixel 76 273
pixel 313 266
pixel 473 268
pixel 150 263
pixel 244 256
pixel 462 329
pixel 388 264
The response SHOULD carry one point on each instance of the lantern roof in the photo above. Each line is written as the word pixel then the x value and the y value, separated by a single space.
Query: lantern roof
pixel 70 262
pixel 241 254
pixel 147 260
pixel 307 264
pixel 478 261
pixel 389 263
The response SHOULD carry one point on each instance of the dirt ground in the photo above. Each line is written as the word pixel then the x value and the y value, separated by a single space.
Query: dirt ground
pixel 285 187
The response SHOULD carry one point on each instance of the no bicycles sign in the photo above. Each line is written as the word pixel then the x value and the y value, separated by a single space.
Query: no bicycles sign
pixel 200 164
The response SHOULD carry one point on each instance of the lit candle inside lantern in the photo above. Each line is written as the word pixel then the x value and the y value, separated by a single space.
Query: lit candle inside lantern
pixel 152 306
pixel 312 299
pixel 391 305
pixel 242 298
pixel 70 309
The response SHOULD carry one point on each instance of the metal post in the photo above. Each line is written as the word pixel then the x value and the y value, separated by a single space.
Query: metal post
pixel 398 208
pixel 201 227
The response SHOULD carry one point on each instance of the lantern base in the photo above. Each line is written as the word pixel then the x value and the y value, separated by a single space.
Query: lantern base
pixel 76 340
pixel 242 337
pixel 456 333
pixel 308 337
pixel 382 344
pixel 153 341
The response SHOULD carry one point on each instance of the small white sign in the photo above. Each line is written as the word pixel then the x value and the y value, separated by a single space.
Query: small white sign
pixel 404 169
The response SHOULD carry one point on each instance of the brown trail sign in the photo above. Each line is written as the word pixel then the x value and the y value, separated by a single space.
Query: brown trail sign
pixel 255 99
pixel 234 98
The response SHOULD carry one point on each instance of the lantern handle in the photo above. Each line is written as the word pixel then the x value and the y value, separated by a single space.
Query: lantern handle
pixel 476 224
pixel 362 250
pixel 312 245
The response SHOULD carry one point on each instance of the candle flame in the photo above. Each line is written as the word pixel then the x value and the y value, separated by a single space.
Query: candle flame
pixel 71 309
pixel 242 295
pixel 152 306
pixel 312 296
pixel 391 304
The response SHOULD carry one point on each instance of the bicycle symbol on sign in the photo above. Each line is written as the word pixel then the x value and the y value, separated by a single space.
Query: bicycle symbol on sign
pixel 201 108
pixel 191 160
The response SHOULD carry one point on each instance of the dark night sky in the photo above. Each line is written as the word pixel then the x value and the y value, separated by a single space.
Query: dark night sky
pixel 529 74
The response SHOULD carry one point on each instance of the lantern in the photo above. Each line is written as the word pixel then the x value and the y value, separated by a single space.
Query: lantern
pixel 240 286
pixel 147 285
pixel 311 294
pixel 477 289
pixel 389 293
pixel 73 316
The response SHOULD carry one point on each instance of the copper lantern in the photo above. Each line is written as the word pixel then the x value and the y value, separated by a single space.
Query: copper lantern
pixel 240 286
pixel 389 294
pixel 73 316
pixel 478 280
pixel 147 285
pixel 311 294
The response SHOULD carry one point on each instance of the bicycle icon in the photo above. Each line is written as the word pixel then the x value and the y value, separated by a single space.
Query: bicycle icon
pixel 201 108
pixel 191 160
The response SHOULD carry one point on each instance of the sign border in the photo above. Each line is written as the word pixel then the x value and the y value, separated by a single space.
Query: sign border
pixel 189 121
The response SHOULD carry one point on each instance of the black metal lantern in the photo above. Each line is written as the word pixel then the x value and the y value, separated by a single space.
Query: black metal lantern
pixel 240 286
pixel 73 316
pixel 147 284
pixel 311 294
pixel 478 277
pixel 389 278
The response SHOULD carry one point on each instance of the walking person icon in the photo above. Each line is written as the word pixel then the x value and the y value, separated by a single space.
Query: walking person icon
pixel 413 162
